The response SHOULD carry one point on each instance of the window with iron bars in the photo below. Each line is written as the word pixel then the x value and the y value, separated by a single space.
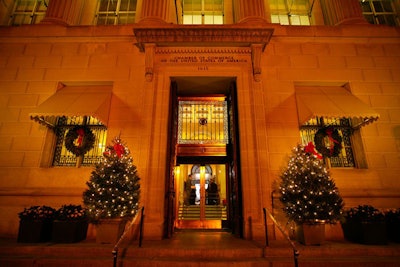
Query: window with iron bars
pixel 203 11
pixel 62 157
pixel 343 125
pixel 380 12
pixel 28 12
pixel 116 12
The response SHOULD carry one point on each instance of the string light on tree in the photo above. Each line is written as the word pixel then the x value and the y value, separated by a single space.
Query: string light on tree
pixel 114 188
pixel 307 191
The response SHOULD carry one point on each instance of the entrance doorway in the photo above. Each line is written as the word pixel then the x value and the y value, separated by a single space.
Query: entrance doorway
pixel 202 196
pixel 203 184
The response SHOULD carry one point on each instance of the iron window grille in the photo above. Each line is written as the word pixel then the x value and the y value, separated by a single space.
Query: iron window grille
pixel 28 12
pixel 116 12
pixel 62 157
pixel 343 125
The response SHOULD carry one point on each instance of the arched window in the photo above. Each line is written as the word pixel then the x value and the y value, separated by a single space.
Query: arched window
pixel 196 169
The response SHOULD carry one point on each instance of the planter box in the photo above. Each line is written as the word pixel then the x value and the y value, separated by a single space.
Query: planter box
pixel 393 231
pixel 34 231
pixel 352 231
pixel 69 231
pixel 108 231
pixel 311 234
pixel 369 233
pixel 374 233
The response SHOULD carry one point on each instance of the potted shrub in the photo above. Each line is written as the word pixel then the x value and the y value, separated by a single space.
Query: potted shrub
pixel 113 192
pixel 35 224
pixel 365 224
pixel 393 224
pixel 309 196
pixel 70 224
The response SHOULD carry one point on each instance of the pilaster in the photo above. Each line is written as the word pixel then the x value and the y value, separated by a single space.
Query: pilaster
pixel 249 9
pixel 155 10
pixel 63 12
pixel 342 12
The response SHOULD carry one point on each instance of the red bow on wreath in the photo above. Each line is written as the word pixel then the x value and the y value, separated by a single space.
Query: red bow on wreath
pixel 81 134
pixel 310 148
pixel 329 132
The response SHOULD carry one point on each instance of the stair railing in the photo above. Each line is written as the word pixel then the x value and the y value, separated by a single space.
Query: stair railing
pixel 127 229
pixel 296 253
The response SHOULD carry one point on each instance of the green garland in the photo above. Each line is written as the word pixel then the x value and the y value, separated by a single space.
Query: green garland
pixel 335 140
pixel 84 134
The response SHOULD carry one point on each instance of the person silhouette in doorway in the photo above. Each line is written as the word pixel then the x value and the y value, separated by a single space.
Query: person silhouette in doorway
pixel 212 192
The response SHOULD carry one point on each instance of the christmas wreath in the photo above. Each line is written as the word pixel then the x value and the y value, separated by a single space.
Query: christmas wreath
pixel 84 140
pixel 335 141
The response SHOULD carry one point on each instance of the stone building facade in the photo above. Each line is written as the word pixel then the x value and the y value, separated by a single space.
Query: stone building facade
pixel 131 77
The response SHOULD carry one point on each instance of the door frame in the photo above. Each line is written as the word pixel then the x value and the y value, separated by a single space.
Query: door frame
pixel 231 161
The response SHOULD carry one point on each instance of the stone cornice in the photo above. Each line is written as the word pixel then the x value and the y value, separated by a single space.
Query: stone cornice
pixel 172 35
pixel 199 50
pixel 254 34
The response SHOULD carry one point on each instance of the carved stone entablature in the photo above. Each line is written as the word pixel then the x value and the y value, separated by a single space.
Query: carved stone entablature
pixel 252 36
pixel 202 36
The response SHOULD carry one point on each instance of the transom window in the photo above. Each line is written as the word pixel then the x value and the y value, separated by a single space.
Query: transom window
pixel 116 12
pixel 203 11
pixel 380 12
pixel 203 122
pixel 28 12
pixel 343 126
pixel 289 12
pixel 63 157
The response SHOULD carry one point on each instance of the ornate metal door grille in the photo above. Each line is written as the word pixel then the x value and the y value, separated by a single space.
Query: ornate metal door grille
pixel 203 122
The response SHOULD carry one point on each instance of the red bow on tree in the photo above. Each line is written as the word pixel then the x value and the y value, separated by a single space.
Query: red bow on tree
pixel 310 148
pixel 119 149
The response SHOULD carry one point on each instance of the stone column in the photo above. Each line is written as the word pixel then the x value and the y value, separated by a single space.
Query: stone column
pixel 249 9
pixel 64 12
pixel 155 10
pixel 338 12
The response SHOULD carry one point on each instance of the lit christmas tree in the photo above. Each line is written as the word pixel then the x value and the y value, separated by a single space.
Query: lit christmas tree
pixel 307 191
pixel 114 188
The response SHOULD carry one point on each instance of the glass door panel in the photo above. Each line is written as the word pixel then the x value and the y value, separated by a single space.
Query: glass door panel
pixel 202 195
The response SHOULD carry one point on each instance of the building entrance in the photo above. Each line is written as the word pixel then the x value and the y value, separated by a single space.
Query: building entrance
pixel 203 187
pixel 202 196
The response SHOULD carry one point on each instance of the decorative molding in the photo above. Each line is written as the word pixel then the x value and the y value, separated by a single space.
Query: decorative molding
pixel 200 50
pixel 173 38
pixel 198 35
pixel 256 51
pixel 149 61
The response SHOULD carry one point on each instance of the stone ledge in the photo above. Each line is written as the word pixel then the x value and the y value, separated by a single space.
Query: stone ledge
pixel 38 191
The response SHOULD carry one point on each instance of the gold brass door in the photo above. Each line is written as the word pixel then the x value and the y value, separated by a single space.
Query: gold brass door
pixel 202 196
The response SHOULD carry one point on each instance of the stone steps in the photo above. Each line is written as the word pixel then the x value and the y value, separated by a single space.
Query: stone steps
pixel 195 250
pixel 212 212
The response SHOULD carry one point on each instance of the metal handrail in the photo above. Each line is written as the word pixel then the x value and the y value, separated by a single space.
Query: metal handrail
pixel 115 250
pixel 296 253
